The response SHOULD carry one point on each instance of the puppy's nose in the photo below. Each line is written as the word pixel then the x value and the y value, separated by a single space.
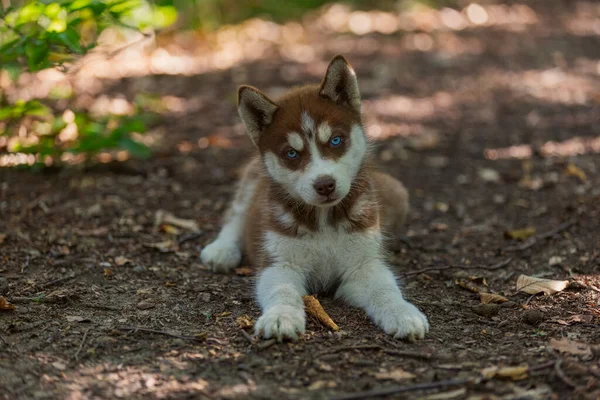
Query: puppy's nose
pixel 324 186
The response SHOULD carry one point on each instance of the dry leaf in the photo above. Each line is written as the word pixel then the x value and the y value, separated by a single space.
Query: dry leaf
pixel 574 170
pixel 514 373
pixel 77 318
pixel 475 284
pixel 120 260
pixel 5 305
pixel 170 229
pixel 244 271
pixel 520 234
pixel 314 309
pixel 244 322
pixel 572 347
pixel 164 247
pixel 394 375
pixel 2 237
pixel 166 218
pixel 60 366
pixel 533 285
pixel 487 298
pixel 108 274
pixel 586 319
pixel 452 394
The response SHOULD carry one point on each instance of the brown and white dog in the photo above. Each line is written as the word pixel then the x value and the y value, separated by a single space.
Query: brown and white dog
pixel 311 209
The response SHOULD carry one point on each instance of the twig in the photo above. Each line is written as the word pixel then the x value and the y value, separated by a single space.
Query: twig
pixel 82 343
pixel 563 377
pixel 266 344
pixel 392 352
pixel 529 299
pixel 545 365
pixel 140 329
pixel 492 267
pixel 189 236
pixel 402 389
pixel 546 235
pixel 54 282
pixel 247 336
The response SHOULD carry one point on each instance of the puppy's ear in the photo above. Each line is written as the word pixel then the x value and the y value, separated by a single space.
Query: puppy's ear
pixel 340 84
pixel 256 111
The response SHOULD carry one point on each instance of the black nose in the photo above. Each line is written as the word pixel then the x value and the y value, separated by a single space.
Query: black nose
pixel 325 186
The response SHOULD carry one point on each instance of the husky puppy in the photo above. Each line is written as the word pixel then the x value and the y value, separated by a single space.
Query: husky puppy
pixel 310 210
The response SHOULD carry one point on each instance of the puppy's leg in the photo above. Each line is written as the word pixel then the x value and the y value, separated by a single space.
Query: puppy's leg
pixel 225 253
pixel 280 289
pixel 373 287
pixel 393 201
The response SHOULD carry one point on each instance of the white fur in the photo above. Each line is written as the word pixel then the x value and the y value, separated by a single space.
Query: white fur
pixel 300 183
pixel 307 123
pixel 324 132
pixel 295 140
pixel 316 261
pixel 225 253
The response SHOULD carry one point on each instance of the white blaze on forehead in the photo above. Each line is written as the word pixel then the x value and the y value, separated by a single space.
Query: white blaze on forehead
pixel 295 140
pixel 307 123
pixel 324 132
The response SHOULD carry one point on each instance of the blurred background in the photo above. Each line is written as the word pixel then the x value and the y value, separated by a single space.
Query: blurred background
pixel 103 80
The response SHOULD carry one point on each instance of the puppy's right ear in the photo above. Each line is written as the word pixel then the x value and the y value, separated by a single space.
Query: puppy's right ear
pixel 256 111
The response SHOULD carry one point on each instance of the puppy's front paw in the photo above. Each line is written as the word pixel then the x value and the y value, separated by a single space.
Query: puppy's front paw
pixel 403 321
pixel 281 322
pixel 221 256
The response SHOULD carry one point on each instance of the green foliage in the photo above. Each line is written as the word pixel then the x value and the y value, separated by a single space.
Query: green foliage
pixel 46 34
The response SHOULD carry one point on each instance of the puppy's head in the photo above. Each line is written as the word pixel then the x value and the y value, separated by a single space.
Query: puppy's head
pixel 311 140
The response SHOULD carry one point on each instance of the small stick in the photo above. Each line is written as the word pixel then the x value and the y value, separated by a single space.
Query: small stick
pixel 25 265
pixel 247 336
pixel 492 267
pixel 189 236
pixel 529 299
pixel 266 344
pixel 402 389
pixel 137 328
pixel 392 352
pixel 82 343
pixel 532 241
pixel 563 377
pixel 54 282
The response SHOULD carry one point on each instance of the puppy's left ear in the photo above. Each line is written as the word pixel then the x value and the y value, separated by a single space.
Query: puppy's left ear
pixel 340 84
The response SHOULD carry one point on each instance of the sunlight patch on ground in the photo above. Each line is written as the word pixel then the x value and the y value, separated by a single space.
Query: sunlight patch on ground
pixel 568 148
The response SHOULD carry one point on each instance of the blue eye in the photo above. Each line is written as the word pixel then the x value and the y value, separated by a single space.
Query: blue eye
pixel 335 141
pixel 291 154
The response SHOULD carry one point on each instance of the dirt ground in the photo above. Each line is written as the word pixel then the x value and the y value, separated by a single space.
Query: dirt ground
pixel 110 304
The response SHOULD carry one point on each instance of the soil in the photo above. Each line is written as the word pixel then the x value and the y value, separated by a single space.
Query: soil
pixel 110 305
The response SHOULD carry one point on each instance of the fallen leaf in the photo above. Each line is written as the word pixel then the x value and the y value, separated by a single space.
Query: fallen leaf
pixel 170 284
pixel 574 170
pixel 585 319
pixel 475 284
pixel 59 366
pixel 165 217
pixel 514 373
pixel 487 298
pixel 520 234
pixel 394 375
pixel 244 322
pixel 533 285
pixel 244 271
pixel 5 305
pixel 2 237
pixel 120 260
pixel 108 274
pixel 315 309
pixel 572 347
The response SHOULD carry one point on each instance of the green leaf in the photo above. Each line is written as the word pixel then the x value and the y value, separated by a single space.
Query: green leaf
pixel 134 148
pixel 36 53
pixel 6 113
pixel 70 38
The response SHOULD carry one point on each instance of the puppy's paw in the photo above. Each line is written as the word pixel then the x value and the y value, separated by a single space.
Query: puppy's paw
pixel 221 256
pixel 281 322
pixel 403 321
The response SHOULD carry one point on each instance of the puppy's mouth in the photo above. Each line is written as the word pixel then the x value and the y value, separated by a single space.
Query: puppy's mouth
pixel 330 200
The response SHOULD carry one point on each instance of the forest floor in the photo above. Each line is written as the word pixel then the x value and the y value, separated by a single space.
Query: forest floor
pixel 111 300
